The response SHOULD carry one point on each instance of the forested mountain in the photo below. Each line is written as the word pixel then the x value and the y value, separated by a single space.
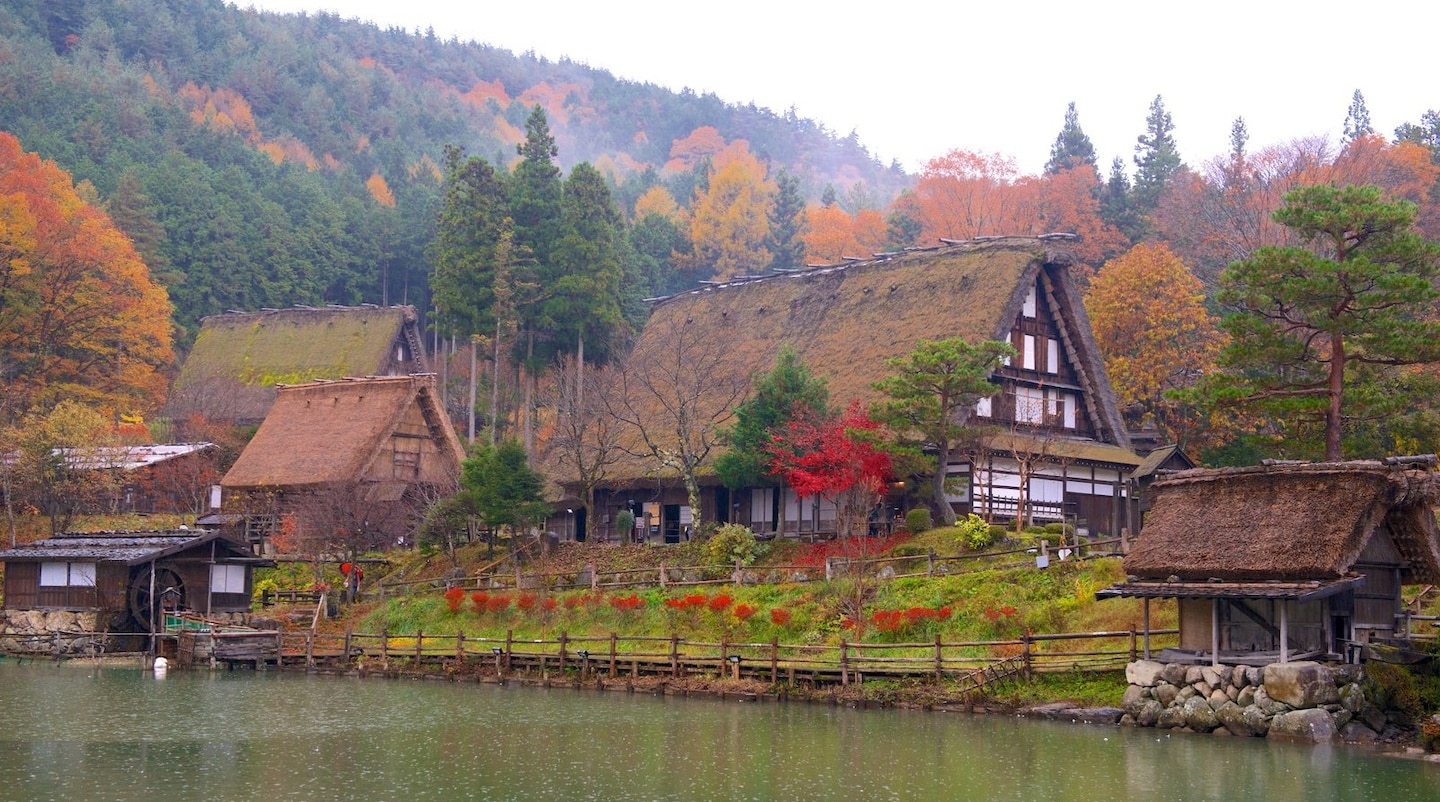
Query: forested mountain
pixel 264 160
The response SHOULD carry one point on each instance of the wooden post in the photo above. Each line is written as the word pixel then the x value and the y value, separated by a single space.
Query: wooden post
pixel 1214 632
pixel 310 649
pixel 930 563
pixel 509 641
pixel 1284 634
pixel 662 576
pixel 674 655
pixel 563 640
pixel 1132 644
pixel 594 579
pixel 844 663
pixel 459 646
pixel 1146 615
pixel 419 644
pixel 829 571
pixel 385 648
pixel 612 655
pixel 724 652
pixel 774 660
pixel 279 650
pixel 347 642
pixel 939 660
pixel 1025 651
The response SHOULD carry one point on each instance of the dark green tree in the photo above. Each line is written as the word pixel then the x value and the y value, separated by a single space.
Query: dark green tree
pixel 583 300
pixel 1357 120
pixel 1117 207
pixel 1072 147
pixel 473 216
pixel 787 223
pixel 828 197
pixel 1316 331
pixel 535 191
pixel 1156 158
pixel 498 483
pixel 930 395
pixel 788 392
pixel 902 226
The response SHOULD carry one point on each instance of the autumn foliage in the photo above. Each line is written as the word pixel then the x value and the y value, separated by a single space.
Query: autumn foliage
pixel 80 316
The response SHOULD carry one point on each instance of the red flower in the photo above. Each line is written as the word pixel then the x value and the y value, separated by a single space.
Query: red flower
pixel 454 597
pixel 779 616
pixel 720 603
pixel 498 603
pixel 744 611
pixel 525 601
pixel 479 598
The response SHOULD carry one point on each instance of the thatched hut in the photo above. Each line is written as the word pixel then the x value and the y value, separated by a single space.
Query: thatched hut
pixel 1285 562
pixel 240 357
pixel 1063 438
pixel 357 457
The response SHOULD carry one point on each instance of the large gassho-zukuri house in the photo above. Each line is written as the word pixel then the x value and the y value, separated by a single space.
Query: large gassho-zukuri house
pixel 1053 420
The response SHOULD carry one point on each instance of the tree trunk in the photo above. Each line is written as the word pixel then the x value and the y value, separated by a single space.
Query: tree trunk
pixel 1333 451
pixel 495 387
pixel 942 472
pixel 470 412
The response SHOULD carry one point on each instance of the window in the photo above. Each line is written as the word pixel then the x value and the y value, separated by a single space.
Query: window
pixel 1029 405
pixel 81 575
pixel 227 579
pixel 1052 356
pixel 1027 352
pixel 982 407
pixel 1028 310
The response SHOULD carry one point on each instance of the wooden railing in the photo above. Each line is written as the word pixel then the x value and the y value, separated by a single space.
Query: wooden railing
pixel 616 655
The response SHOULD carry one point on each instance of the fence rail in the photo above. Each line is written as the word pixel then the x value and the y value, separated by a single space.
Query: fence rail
pixel 978 663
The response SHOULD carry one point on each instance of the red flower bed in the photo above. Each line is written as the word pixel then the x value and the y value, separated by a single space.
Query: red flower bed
pixel 779 616
pixel 627 604
pixel 720 603
pixel 525 601
pixel 744 611
pixel 479 598
pixel 904 620
pixel 454 597
pixel 498 603
pixel 813 555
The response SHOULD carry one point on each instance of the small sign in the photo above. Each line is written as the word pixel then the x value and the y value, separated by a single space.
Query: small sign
pixel 1042 561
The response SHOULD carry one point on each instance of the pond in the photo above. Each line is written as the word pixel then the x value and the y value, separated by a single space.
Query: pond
pixel 72 732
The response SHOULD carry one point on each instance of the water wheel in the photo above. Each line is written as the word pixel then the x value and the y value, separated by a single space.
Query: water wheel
pixel 145 605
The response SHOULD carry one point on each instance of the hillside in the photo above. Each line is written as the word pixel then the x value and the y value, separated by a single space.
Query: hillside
pixel 266 160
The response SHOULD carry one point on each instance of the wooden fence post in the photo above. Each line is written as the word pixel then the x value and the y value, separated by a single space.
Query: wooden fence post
pixel 419 644
pixel 774 659
pixel 939 660
pixel 662 576
pixel 563 640
pixel 347 643
pixel 724 652
pixel 509 641
pixel 844 664
pixel 612 655
pixel 1132 644
pixel 674 654
pixel 829 571
pixel 279 649
pixel 930 560
pixel 1025 651
pixel 385 648
pixel 310 649
pixel 459 646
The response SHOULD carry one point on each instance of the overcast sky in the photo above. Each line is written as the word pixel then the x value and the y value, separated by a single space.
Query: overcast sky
pixel 915 79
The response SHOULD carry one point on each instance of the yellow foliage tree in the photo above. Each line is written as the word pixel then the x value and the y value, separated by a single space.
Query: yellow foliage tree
pixel 380 191
pixel 731 219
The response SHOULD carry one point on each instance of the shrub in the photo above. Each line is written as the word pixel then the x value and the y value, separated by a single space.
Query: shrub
pixel 498 603
pixel 779 616
pixel 974 533
pixel 732 542
pixel 1058 528
pixel 744 611
pixel 454 597
pixel 998 532
pixel 479 598
pixel 525 601
pixel 720 603
pixel 918 520
pixel 625 525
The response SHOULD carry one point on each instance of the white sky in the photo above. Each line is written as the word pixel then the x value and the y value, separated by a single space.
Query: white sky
pixel 918 78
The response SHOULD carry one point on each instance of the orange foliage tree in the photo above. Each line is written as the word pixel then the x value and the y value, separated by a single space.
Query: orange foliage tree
pixel 730 219
pixel 1147 311
pixel 80 317
pixel 831 234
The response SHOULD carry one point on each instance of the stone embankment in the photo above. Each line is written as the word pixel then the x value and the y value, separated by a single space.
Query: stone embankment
pixel 1301 701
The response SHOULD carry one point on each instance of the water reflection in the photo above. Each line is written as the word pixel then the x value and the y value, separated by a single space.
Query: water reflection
pixel 73 733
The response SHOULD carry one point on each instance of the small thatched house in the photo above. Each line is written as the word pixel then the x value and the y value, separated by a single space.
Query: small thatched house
pixel 1285 562
pixel 240 357
pixel 1060 432
pixel 353 460
pixel 84 583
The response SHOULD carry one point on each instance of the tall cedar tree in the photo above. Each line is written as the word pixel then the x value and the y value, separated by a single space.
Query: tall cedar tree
pixel 1307 323
pixel 1357 120
pixel 472 219
pixel 1072 147
pixel 788 392
pixel 535 206
pixel 1156 158
pixel 787 223
pixel 1117 207
pixel 583 303
pixel 931 394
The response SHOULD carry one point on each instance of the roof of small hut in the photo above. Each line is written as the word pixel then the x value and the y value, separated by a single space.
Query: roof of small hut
pixel 845 321
pixel 258 350
pixel 121 546
pixel 1287 523
pixel 331 431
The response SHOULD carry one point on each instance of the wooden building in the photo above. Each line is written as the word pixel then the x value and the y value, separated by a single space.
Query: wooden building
pixel 1285 562
pixel 119 580
pixel 1057 429
pixel 239 358
pixel 363 455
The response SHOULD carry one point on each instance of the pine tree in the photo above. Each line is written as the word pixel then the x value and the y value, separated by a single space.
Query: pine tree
pixel 1156 158
pixel 583 303
pixel 1116 205
pixel 1072 147
pixel 787 223
pixel 1357 120
pixel 473 215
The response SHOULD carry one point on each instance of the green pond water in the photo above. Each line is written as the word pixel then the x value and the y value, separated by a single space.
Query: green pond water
pixel 73 733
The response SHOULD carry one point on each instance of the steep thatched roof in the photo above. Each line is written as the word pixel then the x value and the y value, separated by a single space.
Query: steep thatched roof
pixel 239 357
pixel 131 548
pixel 1304 522
pixel 845 322
pixel 329 432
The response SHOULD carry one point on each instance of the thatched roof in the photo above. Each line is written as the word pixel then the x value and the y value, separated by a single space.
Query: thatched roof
pixel 131 548
pixel 1307 522
pixel 330 432
pixel 243 355
pixel 845 321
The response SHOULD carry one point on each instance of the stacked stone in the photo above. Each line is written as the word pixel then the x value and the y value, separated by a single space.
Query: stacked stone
pixel 34 631
pixel 1303 701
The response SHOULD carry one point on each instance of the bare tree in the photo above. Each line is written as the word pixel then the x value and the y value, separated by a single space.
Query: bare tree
pixel 585 445
pixel 675 396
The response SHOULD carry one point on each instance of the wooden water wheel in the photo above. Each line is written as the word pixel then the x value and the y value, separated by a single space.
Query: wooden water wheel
pixel 145 605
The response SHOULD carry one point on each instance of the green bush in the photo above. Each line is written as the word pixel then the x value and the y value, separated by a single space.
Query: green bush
pixel 1058 528
pixel 625 524
pixel 998 532
pixel 732 542
pixel 918 520
pixel 909 550
pixel 974 533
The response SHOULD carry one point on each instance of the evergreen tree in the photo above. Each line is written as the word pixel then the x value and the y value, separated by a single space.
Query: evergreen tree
pixel 535 190
pixel 1314 330
pixel 788 392
pixel 1156 158
pixel 1357 120
pixel 828 197
pixel 1117 207
pixel 787 223
pixel 498 483
pixel 903 227
pixel 473 216
pixel 1072 147
pixel 583 303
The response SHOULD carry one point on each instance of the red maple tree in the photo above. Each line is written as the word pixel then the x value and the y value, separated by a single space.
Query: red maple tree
pixel 836 459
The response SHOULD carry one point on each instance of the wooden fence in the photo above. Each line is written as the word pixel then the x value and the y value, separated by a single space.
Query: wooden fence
pixel 616 655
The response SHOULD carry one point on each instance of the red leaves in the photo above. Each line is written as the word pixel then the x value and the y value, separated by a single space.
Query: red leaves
pixel 744 611
pixel 830 457
pixel 454 597
pixel 896 621
pixel 779 616
pixel 626 604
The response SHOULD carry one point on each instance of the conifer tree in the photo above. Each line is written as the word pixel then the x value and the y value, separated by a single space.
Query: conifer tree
pixel 1116 204
pixel 1357 120
pixel 788 392
pixel 787 223
pixel 1072 147
pixel 1156 158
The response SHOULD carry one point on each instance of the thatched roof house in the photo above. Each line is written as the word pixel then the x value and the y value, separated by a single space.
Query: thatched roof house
pixel 371 443
pixel 845 322
pixel 1317 552
pixel 239 357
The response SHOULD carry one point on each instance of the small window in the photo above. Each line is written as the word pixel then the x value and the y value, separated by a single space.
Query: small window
pixel 59 575
pixel 982 407
pixel 1052 356
pixel 1029 405
pixel 1027 352
pixel 1028 310
pixel 227 579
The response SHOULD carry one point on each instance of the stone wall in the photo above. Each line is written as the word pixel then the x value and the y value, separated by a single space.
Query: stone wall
pixel 1303 701
pixel 72 633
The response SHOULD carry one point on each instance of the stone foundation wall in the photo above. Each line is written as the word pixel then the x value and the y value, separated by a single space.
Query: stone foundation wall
pixel 70 633
pixel 1303 701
